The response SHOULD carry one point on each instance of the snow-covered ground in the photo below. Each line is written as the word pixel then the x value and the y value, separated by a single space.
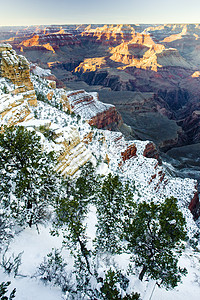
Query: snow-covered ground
pixel 36 246
pixel 144 172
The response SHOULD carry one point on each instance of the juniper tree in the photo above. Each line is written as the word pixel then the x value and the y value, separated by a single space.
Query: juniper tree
pixel 71 212
pixel 155 235
pixel 53 270
pixel 26 174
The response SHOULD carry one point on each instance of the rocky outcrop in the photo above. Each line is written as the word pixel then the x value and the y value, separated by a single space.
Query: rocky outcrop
pixel 109 34
pixel 14 110
pixel 44 41
pixel 151 151
pixel 194 206
pixel 16 68
pixel 15 101
pixel 108 119
pixel 148 59
pixel 88 106
pixel 191 125
pixel 74 153
pixel 129 152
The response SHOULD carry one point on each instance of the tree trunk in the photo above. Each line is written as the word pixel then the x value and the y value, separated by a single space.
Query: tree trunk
pixel 142 272
pixel 84 252
pixel 30 222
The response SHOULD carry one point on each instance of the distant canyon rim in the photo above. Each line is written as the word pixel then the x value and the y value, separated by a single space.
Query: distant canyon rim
pixel 151 73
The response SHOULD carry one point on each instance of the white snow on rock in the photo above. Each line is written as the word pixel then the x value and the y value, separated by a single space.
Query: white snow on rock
pixel 87 105
pixel 36 70
pixel 152 182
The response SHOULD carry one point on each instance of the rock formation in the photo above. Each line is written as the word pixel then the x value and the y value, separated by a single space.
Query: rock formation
pixel 16 98
pixel 129 152
pixel 74 154
pixel 151 152
pixel 159 62
pixel 194 206
pixel 16 68
pixel 88 106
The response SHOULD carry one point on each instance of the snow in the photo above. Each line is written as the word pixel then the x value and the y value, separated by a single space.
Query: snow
pixel 40 71
pixel 86 104
pixel 34 247
pixel 138 169
pixel 189 288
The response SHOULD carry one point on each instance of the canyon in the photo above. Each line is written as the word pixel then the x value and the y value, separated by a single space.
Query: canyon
pixel 150 73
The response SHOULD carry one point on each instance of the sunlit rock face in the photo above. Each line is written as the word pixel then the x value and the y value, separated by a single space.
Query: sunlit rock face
pixel 16 68
pixel 74 153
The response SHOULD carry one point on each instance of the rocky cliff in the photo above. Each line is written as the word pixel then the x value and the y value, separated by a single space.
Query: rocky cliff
pixel 16 68
pixel 17 98
pixel 88 106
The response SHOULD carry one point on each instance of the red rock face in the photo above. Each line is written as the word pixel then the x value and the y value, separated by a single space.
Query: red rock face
pixel 194 206
pixel 150 151
pixel 43 41
pixel 108 119
pixel 129 152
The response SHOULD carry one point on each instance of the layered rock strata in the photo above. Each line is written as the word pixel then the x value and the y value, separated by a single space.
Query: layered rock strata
pixel 88 106
pixel 16 68
pixel 16 99
pixel 74 153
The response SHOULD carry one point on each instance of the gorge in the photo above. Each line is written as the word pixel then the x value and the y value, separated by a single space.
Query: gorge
pixel 150 73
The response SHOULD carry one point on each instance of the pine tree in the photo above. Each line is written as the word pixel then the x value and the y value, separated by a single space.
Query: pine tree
pixel 26 173
pixel 72 209
pixel 111 205
pixel 114 285
pixel 155 234
pixel 86 185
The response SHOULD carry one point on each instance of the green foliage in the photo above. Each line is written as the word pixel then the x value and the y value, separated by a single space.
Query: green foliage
pixel 132 296
pixel 113 282
pixel 194 241
pixel 41 97
pixel 46 132
pixel 109 289
pixel 154 233
pixel 4 290
pixel 36 114
pixel 71 211
pixel 53 270
pixel 73 114
pixel 5 90
pixel 86 185
pixel 27 175
pixel 83 275
pixel 110 205
pixel 68 112
pixel 6 226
